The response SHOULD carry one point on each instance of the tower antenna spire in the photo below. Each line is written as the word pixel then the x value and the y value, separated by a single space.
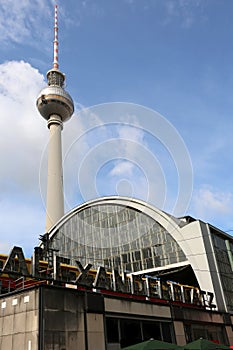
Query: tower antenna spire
pixel 55 43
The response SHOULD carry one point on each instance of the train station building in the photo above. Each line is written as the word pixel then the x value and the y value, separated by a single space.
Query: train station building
pixel 135 237
pixel 148 247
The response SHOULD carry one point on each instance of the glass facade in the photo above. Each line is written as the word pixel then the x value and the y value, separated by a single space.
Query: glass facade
pixel 114 235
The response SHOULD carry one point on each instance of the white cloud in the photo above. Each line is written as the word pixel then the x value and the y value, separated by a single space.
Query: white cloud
pixel 133 132
pixel 22 20
pixel 210 203
pixel 22 130
pixel 122 168
pixel 129 139
pixel 23 133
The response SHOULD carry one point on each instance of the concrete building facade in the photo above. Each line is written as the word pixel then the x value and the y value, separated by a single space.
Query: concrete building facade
pixel 53 318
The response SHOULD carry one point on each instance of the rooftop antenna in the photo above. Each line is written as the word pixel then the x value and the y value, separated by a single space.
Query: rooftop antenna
pixel 55 43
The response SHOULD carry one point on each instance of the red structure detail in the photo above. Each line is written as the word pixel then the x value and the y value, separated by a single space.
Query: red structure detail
pixel 55 43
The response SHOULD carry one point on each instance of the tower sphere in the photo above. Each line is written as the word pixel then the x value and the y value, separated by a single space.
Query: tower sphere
pixel 53 99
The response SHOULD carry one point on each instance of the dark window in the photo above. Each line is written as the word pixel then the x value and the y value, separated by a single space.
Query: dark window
pixel 137 255
pixel 146 252
pixel 130 332
pixel 64 260
pixel 112 330
pixel 128 267
pixel 149 263
pixel 137 266
pixel 151 330
pixel 124 258
pixel 166 332
pixel 188 333
pixel 117 260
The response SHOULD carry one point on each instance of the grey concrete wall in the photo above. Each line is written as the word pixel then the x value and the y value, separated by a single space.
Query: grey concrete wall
pixel 95 327
pixel 71 320
pixel 229 334
pixel 19 321
pixel 132 307
pixel 179 332
pixel 51 318
pixel 63 320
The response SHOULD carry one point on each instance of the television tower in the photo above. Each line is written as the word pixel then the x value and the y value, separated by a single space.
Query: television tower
pixel 56 106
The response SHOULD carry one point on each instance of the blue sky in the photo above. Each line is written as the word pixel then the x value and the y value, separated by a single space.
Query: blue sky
pixel 168 64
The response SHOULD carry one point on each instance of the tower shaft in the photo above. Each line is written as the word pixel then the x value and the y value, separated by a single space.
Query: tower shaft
pixel 55 198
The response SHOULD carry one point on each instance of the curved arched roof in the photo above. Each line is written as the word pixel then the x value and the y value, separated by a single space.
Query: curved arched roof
pixel 170 223
pixel 163 218
pixel 143 227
